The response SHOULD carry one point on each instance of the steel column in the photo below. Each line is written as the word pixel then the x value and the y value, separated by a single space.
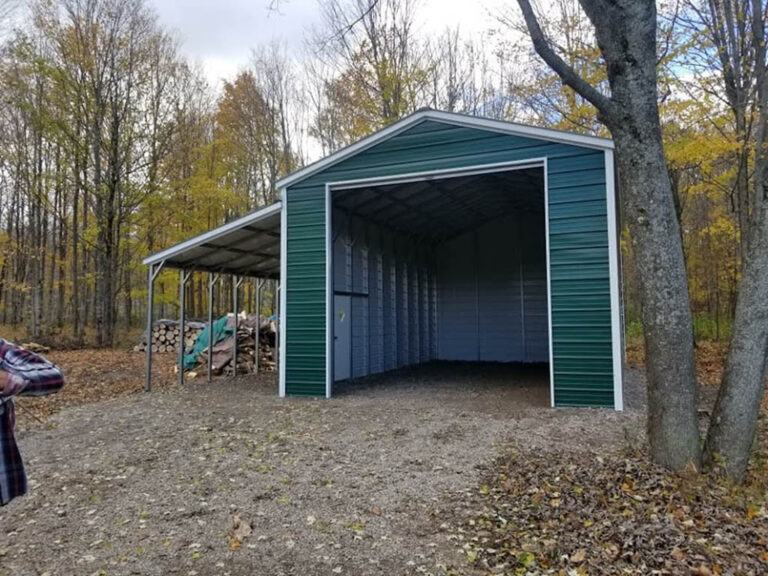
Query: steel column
pixel 211 283
pixel 278 335
pixel 153 272
pixel 183 278
pixel 259 287
pixel 236 282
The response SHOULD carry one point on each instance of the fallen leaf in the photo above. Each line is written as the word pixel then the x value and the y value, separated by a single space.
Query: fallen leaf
pixel 579 556
pixel 240 531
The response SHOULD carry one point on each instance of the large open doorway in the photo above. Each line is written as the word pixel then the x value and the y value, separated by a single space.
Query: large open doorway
pixel 448 266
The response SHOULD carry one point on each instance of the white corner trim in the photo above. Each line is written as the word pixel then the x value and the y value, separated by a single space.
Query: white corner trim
pixel 613 264
pixel 549 288
pixel 329 317
pixel 252 218
pixel 446 118
pixel 283 290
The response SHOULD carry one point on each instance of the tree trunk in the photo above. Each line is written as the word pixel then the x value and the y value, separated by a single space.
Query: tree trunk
pixel 732 429
pixel 734 418
pixel 672 391
pixel 626 35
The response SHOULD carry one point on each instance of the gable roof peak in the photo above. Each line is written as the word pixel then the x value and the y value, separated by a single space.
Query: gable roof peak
pixel 453 118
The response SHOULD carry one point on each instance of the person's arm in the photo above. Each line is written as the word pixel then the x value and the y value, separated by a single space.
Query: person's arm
pixel 10 384
pixel 25 373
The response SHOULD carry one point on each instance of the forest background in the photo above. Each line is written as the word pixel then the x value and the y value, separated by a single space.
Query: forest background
pixel 116 146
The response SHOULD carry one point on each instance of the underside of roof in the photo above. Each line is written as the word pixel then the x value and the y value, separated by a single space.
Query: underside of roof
pixel 249 246
pixel 440 209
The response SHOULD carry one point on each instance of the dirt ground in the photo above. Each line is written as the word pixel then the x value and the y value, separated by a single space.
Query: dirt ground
pixel 368 482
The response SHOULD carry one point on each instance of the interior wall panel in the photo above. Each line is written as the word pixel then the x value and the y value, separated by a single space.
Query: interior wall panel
pixel 385 275
pixel 457 302
pixel 492 296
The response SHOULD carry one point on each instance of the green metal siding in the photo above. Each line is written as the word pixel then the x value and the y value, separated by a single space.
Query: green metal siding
pixel 580 290
pixel 305 292
pixel 580 280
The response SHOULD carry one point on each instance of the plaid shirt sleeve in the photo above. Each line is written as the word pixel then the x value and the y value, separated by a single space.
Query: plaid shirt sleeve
pixel 30 375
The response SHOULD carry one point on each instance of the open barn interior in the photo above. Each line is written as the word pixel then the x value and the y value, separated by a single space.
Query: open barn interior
pixel 449 269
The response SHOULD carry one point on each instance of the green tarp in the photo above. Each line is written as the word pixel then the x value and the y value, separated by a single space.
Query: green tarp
pixel 220 332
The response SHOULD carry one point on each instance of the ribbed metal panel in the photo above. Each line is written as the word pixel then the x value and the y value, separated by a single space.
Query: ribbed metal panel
pixel 402 306
pixel 457 300
pixel 305 292
pixel 581 317
pixel 493 292
pixel 415 315
pixel 578 251
pixel 390 320
pixel 390 309
pixel 376 307
pixel 533 263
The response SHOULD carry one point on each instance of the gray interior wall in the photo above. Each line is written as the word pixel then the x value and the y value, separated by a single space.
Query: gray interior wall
pixel 479 297
pixel 492 293
pixel 391 280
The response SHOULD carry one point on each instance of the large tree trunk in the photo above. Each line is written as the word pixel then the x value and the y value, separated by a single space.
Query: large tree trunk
pixel 672 392
pixel 626 35
pixel 732 429
pixel 734 418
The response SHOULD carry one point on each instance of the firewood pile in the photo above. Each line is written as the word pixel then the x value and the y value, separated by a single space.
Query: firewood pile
pixel 166 335
pixel 246 346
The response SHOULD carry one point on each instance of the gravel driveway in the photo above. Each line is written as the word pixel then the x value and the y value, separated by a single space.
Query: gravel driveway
pixel 369 482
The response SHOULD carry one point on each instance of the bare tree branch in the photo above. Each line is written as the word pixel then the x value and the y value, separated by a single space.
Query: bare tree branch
pixel 541 44
pixel 341 33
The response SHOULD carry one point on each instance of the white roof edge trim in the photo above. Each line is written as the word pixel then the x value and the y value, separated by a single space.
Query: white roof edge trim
pixel 446 118
pixel 196 241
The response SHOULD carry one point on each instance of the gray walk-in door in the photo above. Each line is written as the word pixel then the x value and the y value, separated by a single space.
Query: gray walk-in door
pixel 342 333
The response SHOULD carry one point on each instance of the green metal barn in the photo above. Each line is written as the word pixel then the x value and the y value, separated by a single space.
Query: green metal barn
pixel 442 237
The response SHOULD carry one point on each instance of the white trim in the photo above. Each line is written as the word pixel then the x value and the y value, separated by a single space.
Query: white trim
pixel 213 234
pixel 613 263
pixel 428 175
pixel 549 288
pixel 283 289
pixel 446 118
pixel 329 317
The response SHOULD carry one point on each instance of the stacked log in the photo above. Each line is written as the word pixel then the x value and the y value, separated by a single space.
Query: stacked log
pixel 246 346
pixel 166 336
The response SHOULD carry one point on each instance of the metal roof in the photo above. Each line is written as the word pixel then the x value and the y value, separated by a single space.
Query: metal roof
pixel 248 246
pixel 447 118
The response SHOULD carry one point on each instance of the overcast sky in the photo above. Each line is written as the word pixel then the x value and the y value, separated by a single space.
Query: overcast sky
pixel 219 34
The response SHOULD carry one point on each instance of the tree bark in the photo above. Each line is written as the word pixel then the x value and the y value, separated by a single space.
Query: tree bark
pixel 734 418
pixel 626 35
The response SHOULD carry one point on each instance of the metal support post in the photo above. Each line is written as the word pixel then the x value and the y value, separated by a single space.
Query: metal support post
pixel 154 270
pixel 259 287
pixel 236 282
pixel 278 335
pixel 184 276
pixel 211 283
